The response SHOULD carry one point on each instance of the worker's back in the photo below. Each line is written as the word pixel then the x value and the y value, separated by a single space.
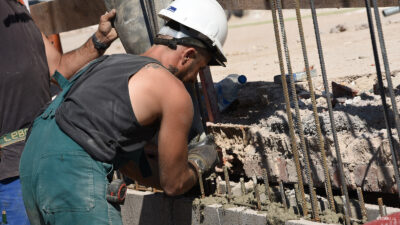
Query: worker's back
pixel 97 111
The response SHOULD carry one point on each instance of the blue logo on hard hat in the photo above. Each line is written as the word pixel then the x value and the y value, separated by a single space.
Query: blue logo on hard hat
pixel 172 9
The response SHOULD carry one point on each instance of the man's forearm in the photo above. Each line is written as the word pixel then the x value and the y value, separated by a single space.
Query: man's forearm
pixel 72 61
pixel 69 63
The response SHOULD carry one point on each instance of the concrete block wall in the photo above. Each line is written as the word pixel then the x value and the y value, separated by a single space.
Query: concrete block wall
pixel 147 208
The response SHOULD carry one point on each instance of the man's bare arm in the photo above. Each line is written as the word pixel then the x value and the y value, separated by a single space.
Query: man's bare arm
pixel 157 94
pixel 69 63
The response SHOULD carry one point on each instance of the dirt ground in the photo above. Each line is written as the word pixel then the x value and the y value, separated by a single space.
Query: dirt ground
pixel 251 49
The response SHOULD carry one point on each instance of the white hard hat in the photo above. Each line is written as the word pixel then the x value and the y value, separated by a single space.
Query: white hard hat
pixel 206 17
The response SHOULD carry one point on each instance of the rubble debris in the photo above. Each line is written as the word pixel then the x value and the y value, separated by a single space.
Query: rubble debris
pixel 339 28
pixel 340 90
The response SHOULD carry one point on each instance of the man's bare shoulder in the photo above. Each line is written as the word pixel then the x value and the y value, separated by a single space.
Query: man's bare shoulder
pixel 158 77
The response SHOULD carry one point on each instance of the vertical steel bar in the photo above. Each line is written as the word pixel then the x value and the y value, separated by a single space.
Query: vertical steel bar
pixel 288 109
pixel 383 97
pixel 380 203
pixel 328 186
pixel 362 204
pixel 346 206
pixel 257 195
pixel 329 102
pixel 298 116
pixel 386 66
pixel 200 175
pixel 217 190
pixel 228 185
pixel 242 186
pixel 298 200
pixel 389 84
pixel 266 184
pixel 283 196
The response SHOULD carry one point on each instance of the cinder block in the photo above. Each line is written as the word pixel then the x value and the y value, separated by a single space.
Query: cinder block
pixel 304 222
pixel 373 211
pixel 145 208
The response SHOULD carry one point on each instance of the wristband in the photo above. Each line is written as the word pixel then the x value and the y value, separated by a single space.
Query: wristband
pixel 97 44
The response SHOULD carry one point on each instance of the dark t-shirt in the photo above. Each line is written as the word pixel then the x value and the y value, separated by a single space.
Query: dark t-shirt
pixel 24 78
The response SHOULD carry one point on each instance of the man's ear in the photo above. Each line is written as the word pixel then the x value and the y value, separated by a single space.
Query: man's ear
pixel 189 55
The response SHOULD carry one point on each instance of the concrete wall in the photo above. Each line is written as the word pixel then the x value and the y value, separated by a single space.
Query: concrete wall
pixel 146 208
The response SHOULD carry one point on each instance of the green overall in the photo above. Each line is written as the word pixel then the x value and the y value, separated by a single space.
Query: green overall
pixel 61 183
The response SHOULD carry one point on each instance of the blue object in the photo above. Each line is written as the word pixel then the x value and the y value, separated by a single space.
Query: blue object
pixel 227 90
pixel 11 201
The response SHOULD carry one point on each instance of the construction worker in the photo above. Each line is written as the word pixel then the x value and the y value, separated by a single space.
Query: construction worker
pixel 27 59
pixel 110 110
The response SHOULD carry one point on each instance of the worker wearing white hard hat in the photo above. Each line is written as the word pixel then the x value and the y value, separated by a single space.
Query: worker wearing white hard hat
pixel 107 117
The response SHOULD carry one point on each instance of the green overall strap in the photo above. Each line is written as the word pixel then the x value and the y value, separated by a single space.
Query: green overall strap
pixel 66 86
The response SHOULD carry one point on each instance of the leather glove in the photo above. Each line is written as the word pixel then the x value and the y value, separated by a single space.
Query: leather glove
pixel 203 155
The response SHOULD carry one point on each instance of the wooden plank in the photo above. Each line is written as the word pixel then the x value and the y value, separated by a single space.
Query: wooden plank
pixel 305 4
pixel 64 15
pixel 210 96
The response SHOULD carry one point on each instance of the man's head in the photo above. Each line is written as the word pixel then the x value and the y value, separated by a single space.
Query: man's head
pixel 195 30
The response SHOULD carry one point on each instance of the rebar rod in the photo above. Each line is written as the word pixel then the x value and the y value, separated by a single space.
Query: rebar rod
pixel 228 184
pixel 297 196
pixel 242 186
pixel 362 204
pixel 388 76
pixel 298 116
pixel 382 94
pixel 380 203
pixel 266 184
pixel 257 195
pixel 328 186
pixel 329 103
pixel 346 206
pixel 283 196
pixel 201 184
pixel 288 109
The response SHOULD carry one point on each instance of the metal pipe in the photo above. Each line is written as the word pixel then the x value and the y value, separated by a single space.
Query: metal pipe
pixel 391 11
pixel 382 93
pixel 288 109
pixel 298 116
pixel 328 186
pixel 329 102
